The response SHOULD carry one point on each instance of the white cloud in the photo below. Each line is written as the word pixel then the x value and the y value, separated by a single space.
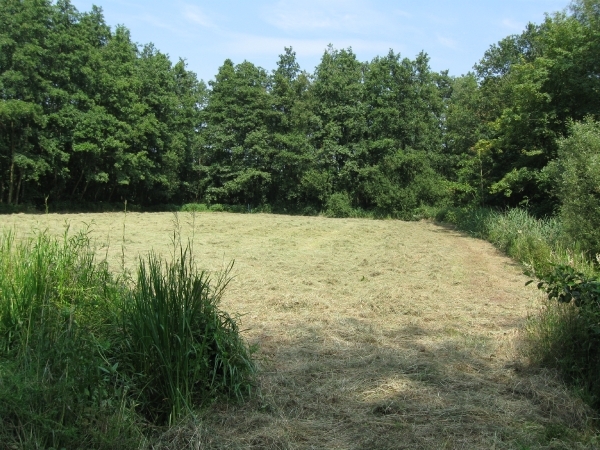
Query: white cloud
pixel 195 15
pixel 402 13
pixel 330 15
pixel 447 42
pixel 249 45
pixel 513 25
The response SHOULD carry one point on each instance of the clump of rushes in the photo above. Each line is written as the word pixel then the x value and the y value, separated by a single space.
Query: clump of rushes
pixel 83 353
pixel 181 349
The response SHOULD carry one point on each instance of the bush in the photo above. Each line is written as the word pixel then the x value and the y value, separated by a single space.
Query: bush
pixel 217 207
pixel 239 209
pixel 309 211
pixel 15 209
pixel 194 207
pixel 566 334
pixel 579 189
pixel 262 209
pixel 339 205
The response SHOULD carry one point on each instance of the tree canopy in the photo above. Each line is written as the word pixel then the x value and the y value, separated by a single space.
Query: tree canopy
pixel 87 115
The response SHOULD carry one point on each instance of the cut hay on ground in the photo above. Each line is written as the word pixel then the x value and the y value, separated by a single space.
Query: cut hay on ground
pixel 372 334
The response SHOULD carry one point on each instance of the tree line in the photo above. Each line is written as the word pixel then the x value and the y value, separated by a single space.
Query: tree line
pixel 86 115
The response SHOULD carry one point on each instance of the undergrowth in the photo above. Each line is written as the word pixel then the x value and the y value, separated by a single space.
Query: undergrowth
pixel 566 333
pixel 93 360
pixel 538 243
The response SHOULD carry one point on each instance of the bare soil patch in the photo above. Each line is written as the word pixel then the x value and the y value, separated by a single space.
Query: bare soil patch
pixel 372 334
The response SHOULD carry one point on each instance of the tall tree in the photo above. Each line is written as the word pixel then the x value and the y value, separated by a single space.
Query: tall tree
pixel 238 148
pixel 340 108
pixel 532 86
pixel 293 122
pixel 24 31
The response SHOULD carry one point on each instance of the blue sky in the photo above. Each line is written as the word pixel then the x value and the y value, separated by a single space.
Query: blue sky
pixel 454 33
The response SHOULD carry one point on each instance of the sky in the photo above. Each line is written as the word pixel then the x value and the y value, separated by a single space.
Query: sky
pixel 454 33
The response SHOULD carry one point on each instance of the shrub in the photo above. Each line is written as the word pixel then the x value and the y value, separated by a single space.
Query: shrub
pixel 14 209
pixel 217 207
pixel 579 189
pixel 194 207
pixel 566 334
pixel 239 209
pixel 262 209
pixel 339 205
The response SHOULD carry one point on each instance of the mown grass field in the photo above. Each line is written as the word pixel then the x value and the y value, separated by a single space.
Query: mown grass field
pixel 372 334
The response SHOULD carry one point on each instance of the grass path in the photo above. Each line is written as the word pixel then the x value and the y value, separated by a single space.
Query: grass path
pixel 372 334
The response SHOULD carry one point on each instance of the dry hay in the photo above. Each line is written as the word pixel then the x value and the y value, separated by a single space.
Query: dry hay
pixel 372 334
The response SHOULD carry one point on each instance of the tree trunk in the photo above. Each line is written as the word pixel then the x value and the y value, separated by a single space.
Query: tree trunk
pixel 18 188
pixel 77 184
pixel 112 191
pixel 11 180
pixel 87 183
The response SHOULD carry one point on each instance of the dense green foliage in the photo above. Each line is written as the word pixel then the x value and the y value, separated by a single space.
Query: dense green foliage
pixel 87 117
pixel 572 343
pixel 579 184
pixel 86 359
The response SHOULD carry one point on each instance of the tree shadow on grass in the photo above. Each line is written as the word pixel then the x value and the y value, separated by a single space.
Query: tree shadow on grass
pixel 410 388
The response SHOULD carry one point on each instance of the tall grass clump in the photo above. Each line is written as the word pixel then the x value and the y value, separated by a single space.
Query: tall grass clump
pixel 88 359
pixel 472 220
pixel 180 347
pixel 55 309
pixel 532 241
